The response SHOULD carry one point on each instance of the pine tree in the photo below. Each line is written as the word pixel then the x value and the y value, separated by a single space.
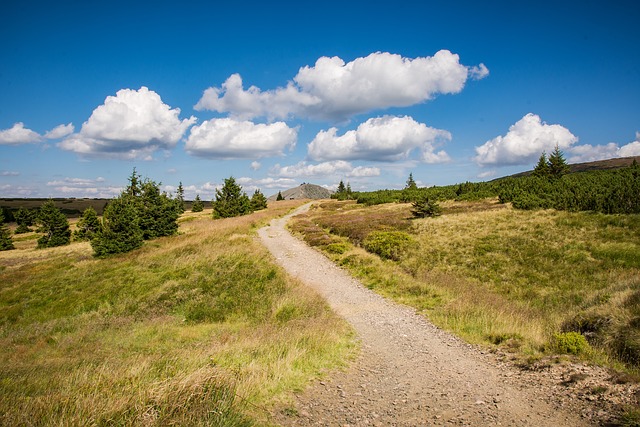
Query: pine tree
pixel 54 224
pixel 180 197
pixel 279 197
pixel 411 184
pixel 542 168
pixel 348 191
pixel 341 188
pixel 25 218
pixel 157 212
pixel 426 208
pixel 197 206
pixel 5 235
pixel 557 164
pixel 88 225
pixel 133 189
pixel 230 200
pixel 120 231
pixel 258 201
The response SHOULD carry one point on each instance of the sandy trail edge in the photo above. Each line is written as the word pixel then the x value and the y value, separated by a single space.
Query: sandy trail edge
pixel 410 373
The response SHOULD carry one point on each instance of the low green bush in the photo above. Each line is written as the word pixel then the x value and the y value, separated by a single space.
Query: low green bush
pixel 569 343
pixel 388 244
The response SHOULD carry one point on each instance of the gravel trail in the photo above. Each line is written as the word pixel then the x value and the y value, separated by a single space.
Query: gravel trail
pixel 409 372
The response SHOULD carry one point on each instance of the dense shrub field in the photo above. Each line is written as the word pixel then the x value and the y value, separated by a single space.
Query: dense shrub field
pixel 604 191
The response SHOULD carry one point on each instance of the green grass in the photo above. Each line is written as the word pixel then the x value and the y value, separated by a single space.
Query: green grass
pixel 499 276
pixel 197 329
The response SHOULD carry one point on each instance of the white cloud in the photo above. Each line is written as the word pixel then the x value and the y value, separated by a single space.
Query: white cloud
pixel 524 142
pixel 325 169
pixel 18 134
pixel 83 187
pixel 232 139
pixel 255 165
pixel 9 173
pixel 364 172
pixel 386 138
pixel 590 153
pixel 335 90
pixel 132 124
pixel 251 184
pixel 631 149
pixel 487 174
pixel 9 190
pixel 77 182
pixel 60 131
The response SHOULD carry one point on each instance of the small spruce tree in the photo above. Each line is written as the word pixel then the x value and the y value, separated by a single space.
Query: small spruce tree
pixel 120 231
pixel 54 224
pixel 5 235
pixel 411 184
pixel 279 197
pixel 258 201
pixel 230 200
pixel 180 197
pixel 88 225
pixel 197 206
pixel 341 188
pixel 426 208
pixel 25 218
pixel 542 168
pixel 157 212
pixel 557 164
pixel 133 189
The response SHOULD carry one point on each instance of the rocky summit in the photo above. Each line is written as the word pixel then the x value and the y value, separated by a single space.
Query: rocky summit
pixel 304 191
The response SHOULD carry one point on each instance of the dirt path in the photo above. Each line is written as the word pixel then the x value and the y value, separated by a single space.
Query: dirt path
pixel 409 373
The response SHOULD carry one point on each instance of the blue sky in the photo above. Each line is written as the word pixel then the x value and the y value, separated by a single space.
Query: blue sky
pixel 281 93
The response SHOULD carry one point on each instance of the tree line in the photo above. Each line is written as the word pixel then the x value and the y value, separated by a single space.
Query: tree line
pixel 549 186
pixel 141 212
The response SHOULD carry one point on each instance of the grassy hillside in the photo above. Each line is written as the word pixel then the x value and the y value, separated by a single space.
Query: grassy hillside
pixel 195 329
pixel 523 280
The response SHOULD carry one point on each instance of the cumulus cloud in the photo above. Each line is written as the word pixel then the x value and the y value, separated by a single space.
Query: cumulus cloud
pixel 335 90
pixel 60 131
pixel 332 168
pixel 364 172
pixel 83 187
pixel 386 138
pixel 251 184
pixel 18 134
pixel 590 153
pixel 524 142
pixel 255 165
pixel 232 139
pixel 132 124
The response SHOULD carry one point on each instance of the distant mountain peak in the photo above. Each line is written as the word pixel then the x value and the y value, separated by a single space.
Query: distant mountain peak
pixel 304 191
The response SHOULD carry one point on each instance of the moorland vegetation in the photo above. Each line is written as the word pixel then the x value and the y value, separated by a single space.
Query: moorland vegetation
pixel 613 191
pixel 195 328
pixel 541 264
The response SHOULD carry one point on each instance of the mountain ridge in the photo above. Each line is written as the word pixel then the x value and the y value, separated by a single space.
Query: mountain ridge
pixel 304 191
